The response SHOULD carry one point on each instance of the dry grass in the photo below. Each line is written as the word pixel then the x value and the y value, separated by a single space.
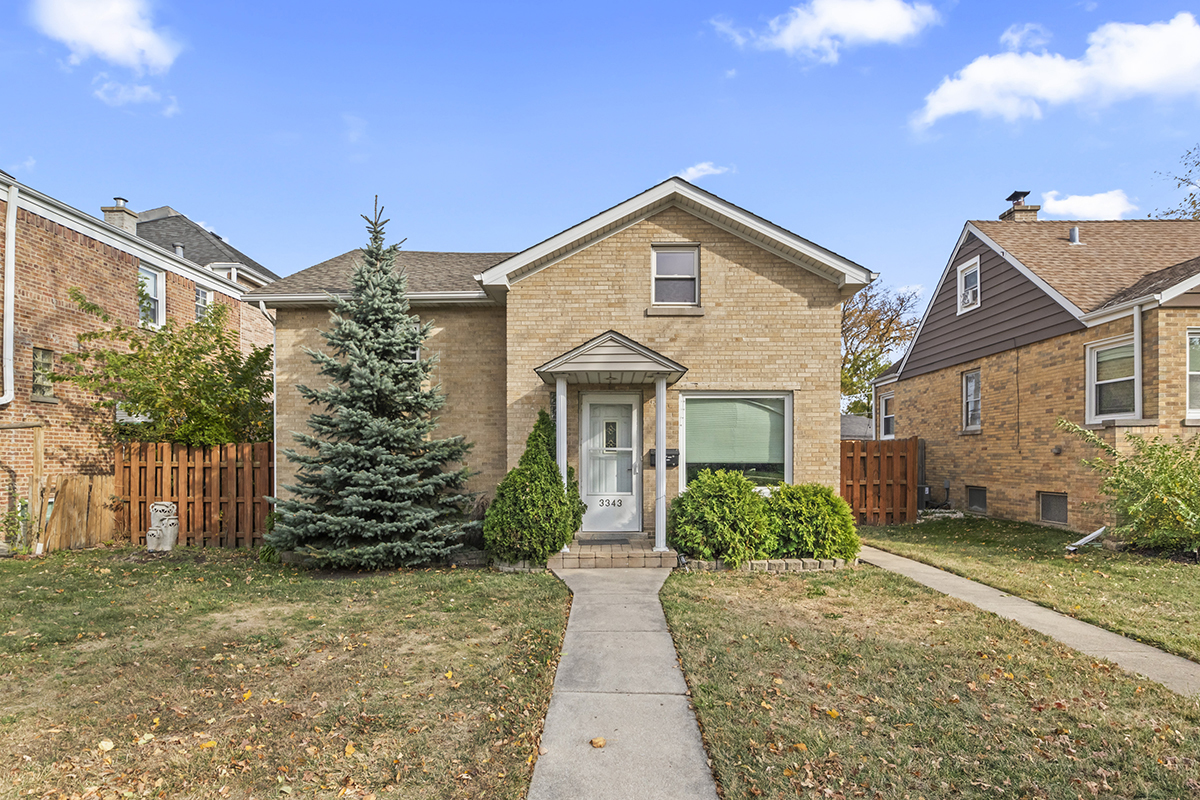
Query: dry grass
pixel 1154 600
pixel 864 684
pixel 204 674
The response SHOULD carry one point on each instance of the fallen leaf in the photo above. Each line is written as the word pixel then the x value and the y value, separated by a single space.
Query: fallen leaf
pixel 106 745
pixel 598 742
pixel 349 749
pixel 208 744
pixel 833 712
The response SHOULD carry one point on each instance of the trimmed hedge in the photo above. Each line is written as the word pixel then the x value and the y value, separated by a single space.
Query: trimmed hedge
pixel 721 516
pixel 532 515
pixel 814 522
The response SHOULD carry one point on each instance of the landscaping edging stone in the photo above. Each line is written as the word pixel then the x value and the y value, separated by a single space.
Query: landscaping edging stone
pixel 519 566
pixel 775 565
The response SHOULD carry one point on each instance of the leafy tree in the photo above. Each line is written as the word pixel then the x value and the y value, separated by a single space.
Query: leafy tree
pixel 188 384
pixel 1187 178
pixel 375 489
pixel 877 322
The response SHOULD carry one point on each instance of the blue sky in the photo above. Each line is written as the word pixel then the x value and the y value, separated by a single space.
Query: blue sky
pixel 872 127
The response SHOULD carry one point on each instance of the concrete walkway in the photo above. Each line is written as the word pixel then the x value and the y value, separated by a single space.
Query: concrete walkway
pixel 619 679
pixel 1177 674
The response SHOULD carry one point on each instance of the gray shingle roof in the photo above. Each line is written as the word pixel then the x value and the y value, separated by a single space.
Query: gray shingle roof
pixel 199 245
pixel 427 272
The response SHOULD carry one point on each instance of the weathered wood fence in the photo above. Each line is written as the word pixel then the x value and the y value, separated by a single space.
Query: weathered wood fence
pixel 879 480
pixel 221 491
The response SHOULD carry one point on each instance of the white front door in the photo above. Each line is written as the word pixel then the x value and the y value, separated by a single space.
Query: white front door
pixel 611 459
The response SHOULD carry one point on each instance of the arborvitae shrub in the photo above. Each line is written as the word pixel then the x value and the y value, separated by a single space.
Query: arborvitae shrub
pixel 813 522
pixel 721 516
pixel 531 517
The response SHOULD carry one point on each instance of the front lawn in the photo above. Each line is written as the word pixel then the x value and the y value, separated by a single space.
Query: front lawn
pixel 1153 600
pixel 861 683
pixel 204 674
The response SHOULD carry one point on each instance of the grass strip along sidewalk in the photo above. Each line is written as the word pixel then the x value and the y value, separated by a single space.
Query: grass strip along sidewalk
pixel 203 674
pixel 862 683
pixel 1152 600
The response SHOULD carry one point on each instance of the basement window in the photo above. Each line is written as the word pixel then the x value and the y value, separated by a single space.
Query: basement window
pixel 977 499
pixel 1053 507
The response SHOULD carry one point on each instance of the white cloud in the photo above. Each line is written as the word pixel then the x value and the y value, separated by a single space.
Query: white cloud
pixel 731 73
pixel 119 94
pixel 1029 36
pixel 172 107
pixel 24 166
pixel 1105 205
pixel 118 31
pixel 915 288
pixel 1122 61
pixel 356 128
pixel 697 171
pixel 726 28
pixel 818 29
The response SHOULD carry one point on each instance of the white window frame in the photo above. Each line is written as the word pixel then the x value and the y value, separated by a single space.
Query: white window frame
pixel 1188 373
pixel 966 417
pixel 884 399
pixel 747 395
pixel 207 297
pixel 694 250
pixel 963 270
pixel 1092 349
pixel 161 306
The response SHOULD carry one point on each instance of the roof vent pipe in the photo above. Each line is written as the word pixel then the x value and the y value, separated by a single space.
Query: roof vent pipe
pixel 1074 235
pixel 178 249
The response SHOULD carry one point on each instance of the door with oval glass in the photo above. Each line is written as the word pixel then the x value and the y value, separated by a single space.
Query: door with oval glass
pixel 610 457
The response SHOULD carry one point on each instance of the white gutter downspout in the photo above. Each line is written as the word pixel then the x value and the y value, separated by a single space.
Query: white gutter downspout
pixel 1137 360
pixel 10 290
pixel 262 306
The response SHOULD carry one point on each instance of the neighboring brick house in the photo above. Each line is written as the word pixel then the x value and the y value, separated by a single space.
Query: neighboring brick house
pixel 1032 321
pixel 48 248
pixel 673 321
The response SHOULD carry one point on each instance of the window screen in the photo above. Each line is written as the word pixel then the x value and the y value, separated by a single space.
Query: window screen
pixel 736 433
pixel 1054 507
pixel 977 499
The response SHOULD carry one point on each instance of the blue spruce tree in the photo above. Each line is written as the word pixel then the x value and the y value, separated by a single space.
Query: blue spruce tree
pixel 375 488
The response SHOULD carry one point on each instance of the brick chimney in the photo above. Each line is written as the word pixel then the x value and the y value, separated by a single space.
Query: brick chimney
pixel 120 215
pixel 1019 211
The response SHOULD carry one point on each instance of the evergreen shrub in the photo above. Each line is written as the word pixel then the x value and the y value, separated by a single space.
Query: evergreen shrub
pixel 531 516
pixel 814 522
pixel 721 516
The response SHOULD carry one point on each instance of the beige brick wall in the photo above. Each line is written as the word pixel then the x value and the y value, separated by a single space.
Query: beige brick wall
pixel 1024 392
pixel 469 344
pixel 768 325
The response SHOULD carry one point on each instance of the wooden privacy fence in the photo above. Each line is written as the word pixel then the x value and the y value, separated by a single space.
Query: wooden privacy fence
pixel 221 491
pixel 879 480
pixel 83 512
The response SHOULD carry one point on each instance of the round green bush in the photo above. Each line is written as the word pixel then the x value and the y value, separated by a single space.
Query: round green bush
pixel 721 516
pixel 813 522
pixel 531 517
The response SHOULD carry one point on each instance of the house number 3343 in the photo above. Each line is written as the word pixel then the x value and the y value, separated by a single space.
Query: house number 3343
pixel 607 503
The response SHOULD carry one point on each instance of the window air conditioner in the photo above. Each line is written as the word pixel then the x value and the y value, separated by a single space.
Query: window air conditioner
pixel 969 298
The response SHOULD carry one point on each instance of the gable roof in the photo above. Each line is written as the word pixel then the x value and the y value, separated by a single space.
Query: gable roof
pixel 675 192
pixel 611 358
pixel 1111 258
pixel 200 246
pixel 428 273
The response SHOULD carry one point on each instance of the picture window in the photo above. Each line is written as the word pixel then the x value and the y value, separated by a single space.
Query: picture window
pixel 750 434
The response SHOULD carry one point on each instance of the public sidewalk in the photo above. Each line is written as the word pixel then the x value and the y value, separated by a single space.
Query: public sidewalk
pixel 619 679
pixel 1177 674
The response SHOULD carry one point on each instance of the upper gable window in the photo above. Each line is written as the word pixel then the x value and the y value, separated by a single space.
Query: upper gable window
pixel 677 276
pixel 968 286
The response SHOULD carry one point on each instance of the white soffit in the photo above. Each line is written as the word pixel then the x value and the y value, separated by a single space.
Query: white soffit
pixel 611 358
pixel 678 193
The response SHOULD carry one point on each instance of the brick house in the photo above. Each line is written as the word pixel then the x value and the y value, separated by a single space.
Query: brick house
pixel 674 321
pixel 48 248
pixel 1032 320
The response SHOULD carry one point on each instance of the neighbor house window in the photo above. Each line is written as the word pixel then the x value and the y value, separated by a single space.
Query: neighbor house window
pixel 1193 374
pixel 202 300
pixel 151 296
pixel 970 400
pixel 750 434
pixel 887 415
pixel 977 499
pixel 676 276
pixel 968 286
pixel 1112 382
pixel 43 367
pixel 1053 507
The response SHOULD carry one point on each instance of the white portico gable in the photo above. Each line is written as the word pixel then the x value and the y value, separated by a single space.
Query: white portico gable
pixel 608 360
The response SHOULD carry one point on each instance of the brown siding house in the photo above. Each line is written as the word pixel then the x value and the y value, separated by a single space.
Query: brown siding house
pixel 672 322
pixel 1035 321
